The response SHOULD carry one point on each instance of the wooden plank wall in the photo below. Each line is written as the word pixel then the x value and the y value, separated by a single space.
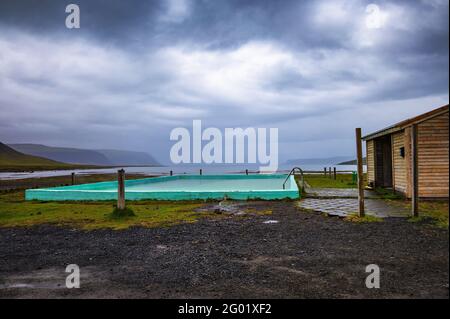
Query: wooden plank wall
pixel 399 162
pixel 408 155
pixel 370 153
pixel 433 156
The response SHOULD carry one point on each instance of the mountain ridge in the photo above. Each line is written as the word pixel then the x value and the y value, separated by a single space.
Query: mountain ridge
pixel 71 155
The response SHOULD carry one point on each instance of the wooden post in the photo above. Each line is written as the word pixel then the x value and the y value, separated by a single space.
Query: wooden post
pixel 414 173
pixel 334 172
pixel 329 172
pixel 325 171
pixel 171 173
pixel 121 189
pixel 73 178
pixel 201 171
pixel 246 171
pixel 360 172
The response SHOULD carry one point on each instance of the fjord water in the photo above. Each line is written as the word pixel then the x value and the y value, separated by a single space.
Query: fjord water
pixel 164 170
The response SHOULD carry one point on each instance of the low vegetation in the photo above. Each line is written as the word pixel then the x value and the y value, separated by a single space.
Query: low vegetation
pixel 15 211
pixel 385 193
pixel 366 219
pixel 122 213
pixel 322 181
pixel 435 210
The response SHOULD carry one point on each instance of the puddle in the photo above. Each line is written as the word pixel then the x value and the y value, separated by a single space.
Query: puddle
pixel 271 222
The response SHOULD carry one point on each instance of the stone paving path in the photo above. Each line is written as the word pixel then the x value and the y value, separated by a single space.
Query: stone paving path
pixel 338 193
pixel 343 202
pixel 346 206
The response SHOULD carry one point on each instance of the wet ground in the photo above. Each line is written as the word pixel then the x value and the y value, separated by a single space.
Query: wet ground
pixel 288 254
pixel 344 202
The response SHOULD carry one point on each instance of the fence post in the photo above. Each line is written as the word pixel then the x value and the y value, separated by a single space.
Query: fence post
pixel 171 173
pixel 121 189
pixel 415 173
pixel 73 178
pixel 334 172
pixel 360 172
pixel 325 171
pixel 201 172
pixel 329 172
pixel 246 171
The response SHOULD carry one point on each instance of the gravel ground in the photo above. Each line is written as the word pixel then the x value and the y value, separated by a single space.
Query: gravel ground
pixel 303 255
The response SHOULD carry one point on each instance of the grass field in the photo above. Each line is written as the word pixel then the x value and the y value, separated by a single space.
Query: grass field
pixel 15 211
pixel 321 181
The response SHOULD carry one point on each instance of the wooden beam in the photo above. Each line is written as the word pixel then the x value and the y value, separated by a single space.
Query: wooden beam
pixel 393 150
pixel 360 172
pixel 414 173
pixel 121 189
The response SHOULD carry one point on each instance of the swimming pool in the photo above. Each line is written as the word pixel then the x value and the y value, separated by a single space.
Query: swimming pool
pixel 179 187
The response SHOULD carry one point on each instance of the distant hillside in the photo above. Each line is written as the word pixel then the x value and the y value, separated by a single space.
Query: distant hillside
pixel 63 154
pixel 352 162
pixel 117 157
pixel 318 161
pixel 11 159
pixel 86 157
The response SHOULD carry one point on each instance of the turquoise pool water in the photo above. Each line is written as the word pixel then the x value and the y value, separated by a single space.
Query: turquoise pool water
pixel 180 187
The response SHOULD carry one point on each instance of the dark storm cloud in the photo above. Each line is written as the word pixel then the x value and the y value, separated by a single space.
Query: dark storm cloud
pixel 149 66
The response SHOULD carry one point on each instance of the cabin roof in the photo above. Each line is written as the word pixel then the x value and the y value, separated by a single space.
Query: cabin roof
pixel 408 122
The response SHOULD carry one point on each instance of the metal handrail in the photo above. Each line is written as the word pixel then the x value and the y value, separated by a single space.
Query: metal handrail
pixel 292 172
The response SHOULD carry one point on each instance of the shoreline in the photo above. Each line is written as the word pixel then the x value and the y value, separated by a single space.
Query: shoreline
pixel 31 169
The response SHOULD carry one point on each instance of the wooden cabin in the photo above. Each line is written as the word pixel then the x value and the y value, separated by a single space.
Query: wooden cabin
pixel 389 155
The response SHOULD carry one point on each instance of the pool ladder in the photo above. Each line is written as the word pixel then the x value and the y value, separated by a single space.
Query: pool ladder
pixel 292 172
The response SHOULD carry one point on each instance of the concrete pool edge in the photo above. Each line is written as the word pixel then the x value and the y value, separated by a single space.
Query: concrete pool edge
pixel 93 191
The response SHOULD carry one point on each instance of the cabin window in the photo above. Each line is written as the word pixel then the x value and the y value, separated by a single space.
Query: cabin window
pixel 402 152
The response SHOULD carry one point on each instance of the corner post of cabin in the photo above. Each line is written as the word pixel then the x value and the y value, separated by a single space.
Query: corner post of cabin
pixel 360 172
pixel 414 172
pixel 121 189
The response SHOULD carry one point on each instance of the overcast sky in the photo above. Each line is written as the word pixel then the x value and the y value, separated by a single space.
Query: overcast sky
pixel 137 69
